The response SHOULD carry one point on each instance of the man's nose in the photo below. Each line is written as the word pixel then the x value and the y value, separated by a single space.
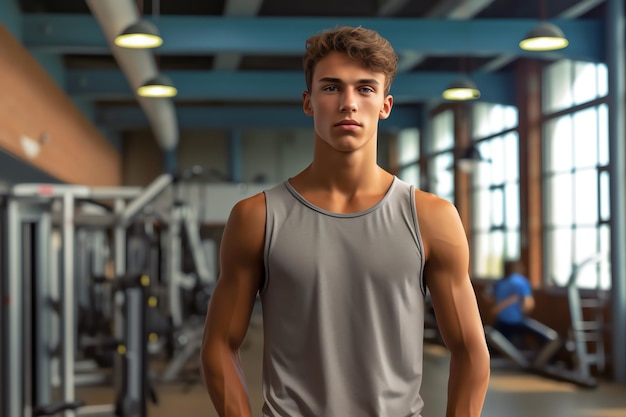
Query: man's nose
pixel 348 102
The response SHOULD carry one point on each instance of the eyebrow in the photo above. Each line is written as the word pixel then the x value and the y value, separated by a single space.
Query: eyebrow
pixel 339 81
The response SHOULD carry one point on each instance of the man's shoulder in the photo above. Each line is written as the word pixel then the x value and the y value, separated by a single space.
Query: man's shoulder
pixel 428 202
pixel 249 209
pixel 520 282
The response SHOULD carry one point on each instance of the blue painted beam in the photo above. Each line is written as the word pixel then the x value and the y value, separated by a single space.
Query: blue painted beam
pixel 11 17
pixel 276 86
pixel 274 117
pixel 200 35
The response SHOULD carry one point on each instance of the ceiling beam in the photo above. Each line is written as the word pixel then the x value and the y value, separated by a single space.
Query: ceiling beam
pixel 391 7
pixel 201 35
pixel 11 17
pixel 274 86
pixel 229 61
pixel 457 9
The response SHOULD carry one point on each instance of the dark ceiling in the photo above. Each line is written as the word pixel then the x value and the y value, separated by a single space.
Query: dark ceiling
pixel 208 62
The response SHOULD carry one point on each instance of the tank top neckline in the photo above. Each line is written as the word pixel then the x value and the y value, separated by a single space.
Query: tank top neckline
pixel 304 201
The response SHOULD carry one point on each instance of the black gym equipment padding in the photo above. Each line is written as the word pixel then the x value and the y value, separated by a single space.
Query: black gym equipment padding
pixel 131 400
pixel 51 409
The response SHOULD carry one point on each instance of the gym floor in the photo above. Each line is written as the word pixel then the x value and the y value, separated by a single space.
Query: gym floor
pixel 511 393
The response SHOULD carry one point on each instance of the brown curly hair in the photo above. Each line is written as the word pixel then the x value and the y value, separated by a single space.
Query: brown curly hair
pixel 362 45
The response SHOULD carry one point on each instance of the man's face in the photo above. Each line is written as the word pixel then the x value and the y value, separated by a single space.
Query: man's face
pixel 346 101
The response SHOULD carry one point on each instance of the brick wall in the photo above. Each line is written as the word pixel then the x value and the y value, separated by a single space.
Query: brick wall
pixel 32 105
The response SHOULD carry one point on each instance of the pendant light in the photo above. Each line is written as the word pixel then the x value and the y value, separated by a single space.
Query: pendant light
pixel 159 86
pixel 462 89
pixel 545 36
pixel 471 159
pixel 139 35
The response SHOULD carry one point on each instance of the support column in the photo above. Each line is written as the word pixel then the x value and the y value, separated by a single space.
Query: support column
pixel 530 151
pixel 617 147
pixel 462 180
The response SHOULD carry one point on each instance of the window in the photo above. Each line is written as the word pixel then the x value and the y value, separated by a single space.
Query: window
pixel 441 157
pixel 576 186
pixel 408 156
pixel 575 174
pixel 570 83
pixel 495 189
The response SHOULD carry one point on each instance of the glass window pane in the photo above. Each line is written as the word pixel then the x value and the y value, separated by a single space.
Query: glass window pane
pixel 496 249
pixel 489 119
pixel 586 197
pixel 586 248
pixel 498 160
pixel 585 138
pixel 512 206
pixel 408 146
pixel 480 116
pixel 511 157
pixel 559 255
pixel 497 207
pixel 585 82
pixel 442 176
pixel 442 131
pixel 558 86
pixel 481 176
pixel 510 117
pixel 603 80
pixel 604 245
pixel 411 174
pixel 603 135
pixel 559 189
pixel 483 260
pixel 481 211
pixel 559 144
pixel 513 245
pixel 604 197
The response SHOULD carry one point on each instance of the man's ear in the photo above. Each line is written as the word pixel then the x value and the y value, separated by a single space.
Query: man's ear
pixel 306 103
pixel 385 110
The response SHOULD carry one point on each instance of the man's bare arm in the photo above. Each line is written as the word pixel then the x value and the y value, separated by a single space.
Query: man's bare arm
pixel 454 302
pixel 510 300
pixel 241 272
pixel 528 305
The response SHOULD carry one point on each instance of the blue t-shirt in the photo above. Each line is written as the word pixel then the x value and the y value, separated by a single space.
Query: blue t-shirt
pixel 506 287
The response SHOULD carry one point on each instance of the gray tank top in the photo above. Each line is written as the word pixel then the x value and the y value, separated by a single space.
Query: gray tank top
pixel 343 308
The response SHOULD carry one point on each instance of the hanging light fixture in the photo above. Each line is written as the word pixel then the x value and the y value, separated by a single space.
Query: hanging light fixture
pixel 461 90
pixel 471 159
pixel 544 37
pixel 159 86
pixel 139 35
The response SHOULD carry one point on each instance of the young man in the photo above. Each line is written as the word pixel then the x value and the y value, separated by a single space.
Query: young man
pixel 341 255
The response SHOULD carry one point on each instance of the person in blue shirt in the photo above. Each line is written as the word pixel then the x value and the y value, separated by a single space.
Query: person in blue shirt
pixel 513 302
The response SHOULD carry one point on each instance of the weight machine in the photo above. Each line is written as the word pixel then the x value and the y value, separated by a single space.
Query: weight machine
pixel 38 313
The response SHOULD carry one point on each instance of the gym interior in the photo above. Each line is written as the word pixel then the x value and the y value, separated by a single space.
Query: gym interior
pixel 113 202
